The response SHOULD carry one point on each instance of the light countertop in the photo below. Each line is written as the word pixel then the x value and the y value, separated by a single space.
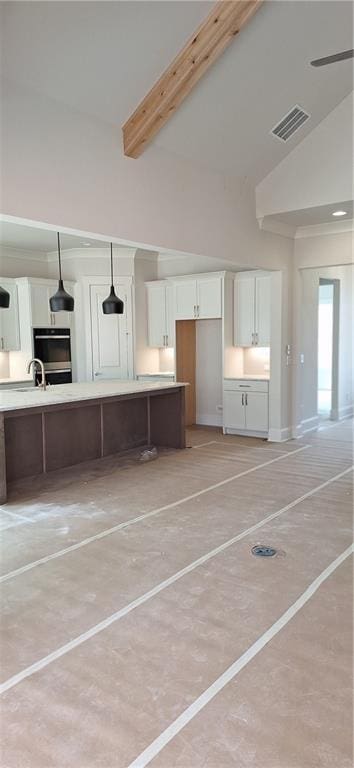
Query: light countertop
pixel 249 377
pixel 14 381
pixel 67 393
pixel 159 375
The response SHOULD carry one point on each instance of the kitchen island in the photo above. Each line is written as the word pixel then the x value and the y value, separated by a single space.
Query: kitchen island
pixel 64 425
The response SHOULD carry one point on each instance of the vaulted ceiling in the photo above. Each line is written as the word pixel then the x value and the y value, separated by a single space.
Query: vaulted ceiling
pixel 103 57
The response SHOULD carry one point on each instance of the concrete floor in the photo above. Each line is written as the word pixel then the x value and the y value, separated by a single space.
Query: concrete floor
pixel 138 629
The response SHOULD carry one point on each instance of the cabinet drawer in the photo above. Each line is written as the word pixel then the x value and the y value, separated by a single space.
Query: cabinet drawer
pixel 245 385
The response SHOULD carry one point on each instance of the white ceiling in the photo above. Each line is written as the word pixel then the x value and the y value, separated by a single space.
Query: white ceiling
pixel 103 57
pixel 41 241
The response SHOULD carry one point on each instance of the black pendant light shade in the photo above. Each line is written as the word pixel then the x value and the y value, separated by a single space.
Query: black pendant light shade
pixel 61 301
pixel 4 299
pixel 112 305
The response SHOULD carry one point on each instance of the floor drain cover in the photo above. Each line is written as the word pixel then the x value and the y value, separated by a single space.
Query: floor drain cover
pixel 260 550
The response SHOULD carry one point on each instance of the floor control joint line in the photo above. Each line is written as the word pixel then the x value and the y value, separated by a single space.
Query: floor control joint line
pixel 102 625
pixel 185 717
pixel 140 518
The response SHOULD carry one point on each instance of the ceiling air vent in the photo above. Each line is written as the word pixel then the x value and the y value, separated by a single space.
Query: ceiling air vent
pixel 290 123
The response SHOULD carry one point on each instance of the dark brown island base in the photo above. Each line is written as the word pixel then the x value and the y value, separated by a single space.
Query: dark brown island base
pixel 42 431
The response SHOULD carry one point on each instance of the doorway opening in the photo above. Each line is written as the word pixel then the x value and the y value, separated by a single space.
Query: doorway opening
pixel 199 363
pixel 327 350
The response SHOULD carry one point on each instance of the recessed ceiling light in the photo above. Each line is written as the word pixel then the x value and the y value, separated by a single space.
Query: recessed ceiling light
pixel 339 213
pixel 86 244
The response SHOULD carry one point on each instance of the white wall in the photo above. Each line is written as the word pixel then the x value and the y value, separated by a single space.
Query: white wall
pixel 317 172
pixel 209 366
pixel 324 250
pixel 68 169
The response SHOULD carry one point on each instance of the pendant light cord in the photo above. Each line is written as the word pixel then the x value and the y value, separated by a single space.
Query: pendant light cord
pixel 112 265
pixel 59 255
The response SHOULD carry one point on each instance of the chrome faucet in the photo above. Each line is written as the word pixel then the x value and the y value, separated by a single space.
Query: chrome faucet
pixel 36 361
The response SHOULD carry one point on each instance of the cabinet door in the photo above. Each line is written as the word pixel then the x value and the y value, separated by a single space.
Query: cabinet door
pixel 9 320
pixel 262 311
pixel 257 411
pixel 40 295
pixel 42 317
pixel 244 312
pixel 234 415
pixel 209 298
pixel 157 319
pixel 185 299
pixel 109 336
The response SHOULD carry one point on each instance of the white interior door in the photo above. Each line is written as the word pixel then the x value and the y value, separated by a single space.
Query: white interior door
pixel 185 298
pixel 263 311
pixel 209 298
pixel 234 416
pixel 244 312
pixel 109 335
pixel 257 411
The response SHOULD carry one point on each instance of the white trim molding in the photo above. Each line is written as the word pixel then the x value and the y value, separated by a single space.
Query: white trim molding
pixel 279 435
pixel 277 227
pixel 345 412
pixel 209 419
pixel 308 425
pixel 331 228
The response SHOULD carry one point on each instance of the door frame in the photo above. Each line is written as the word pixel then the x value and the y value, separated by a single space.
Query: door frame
pixel 334 411
pixel 85 283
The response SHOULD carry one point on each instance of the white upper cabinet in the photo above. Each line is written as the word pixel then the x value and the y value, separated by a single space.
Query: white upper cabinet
pixel 185 299
pixel 160 327
pixel 9 320
pixel 42 317
pixel 262 311
pixel 198 299
pixel 209 304
pixel 252 311
pixel 244 311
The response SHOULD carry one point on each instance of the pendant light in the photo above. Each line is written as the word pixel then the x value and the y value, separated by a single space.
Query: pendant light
pixel 4 299
pixel 61 301
pixel 112 305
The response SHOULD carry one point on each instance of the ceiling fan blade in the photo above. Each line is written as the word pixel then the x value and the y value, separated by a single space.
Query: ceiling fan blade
pixel 332 59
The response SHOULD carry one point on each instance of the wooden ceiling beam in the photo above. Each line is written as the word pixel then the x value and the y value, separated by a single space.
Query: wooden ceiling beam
pixel 206 45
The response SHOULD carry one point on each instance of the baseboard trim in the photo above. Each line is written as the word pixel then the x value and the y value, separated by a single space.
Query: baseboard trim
pixel 308 425
pixel 244 433
pixel 279 435
pixel 345 412
pixel 209 419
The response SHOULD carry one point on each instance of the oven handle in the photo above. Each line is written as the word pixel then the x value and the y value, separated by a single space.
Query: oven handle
pixel 67 336
pixel 48 371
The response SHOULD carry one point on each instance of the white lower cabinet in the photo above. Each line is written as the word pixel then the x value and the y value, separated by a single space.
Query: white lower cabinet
pixel 234 410
pixel 246 406
pixel 256 410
